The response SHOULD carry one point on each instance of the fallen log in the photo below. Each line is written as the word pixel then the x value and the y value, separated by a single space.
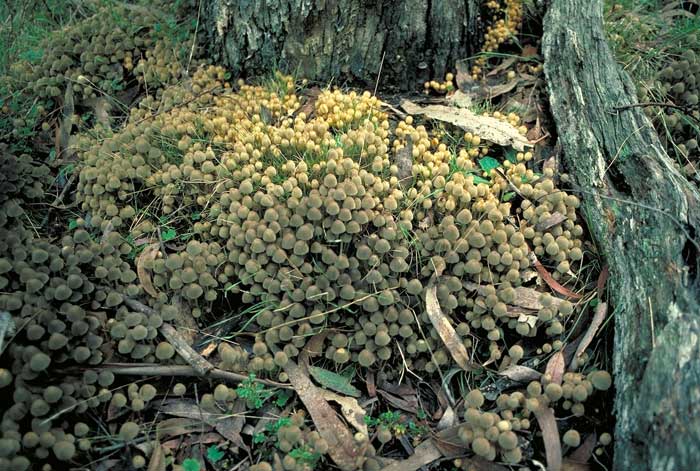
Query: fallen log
pixel 643 215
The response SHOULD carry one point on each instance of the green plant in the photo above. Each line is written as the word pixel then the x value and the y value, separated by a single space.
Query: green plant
pixel 254 393
pixel 270 429
pixel 305 455
pixel 397 424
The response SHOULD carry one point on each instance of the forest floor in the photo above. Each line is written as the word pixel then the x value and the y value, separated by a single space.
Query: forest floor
pixel 200 271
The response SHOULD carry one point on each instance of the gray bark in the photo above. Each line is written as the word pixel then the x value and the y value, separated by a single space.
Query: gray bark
pixel 643 215
pixel 410 40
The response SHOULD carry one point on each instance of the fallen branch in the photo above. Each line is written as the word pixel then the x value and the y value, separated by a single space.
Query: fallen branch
pixel 194 359
pixel 126 369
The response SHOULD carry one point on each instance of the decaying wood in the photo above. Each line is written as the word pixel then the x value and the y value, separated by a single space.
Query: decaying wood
pixel 643 216
pixel 409 41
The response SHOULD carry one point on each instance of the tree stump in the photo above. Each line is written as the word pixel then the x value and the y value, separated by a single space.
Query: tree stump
pixel 643 215
pixel 409 41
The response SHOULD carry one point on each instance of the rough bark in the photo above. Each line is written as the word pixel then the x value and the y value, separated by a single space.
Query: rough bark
pixel 409 40
pixel 643 215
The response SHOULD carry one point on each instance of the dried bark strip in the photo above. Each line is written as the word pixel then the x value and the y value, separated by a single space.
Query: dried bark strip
pixel 490 129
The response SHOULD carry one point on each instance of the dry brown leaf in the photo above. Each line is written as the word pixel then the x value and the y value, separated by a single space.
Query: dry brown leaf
pixel 424 454
pixel 494 91
pixel 157 460
pixel 520 373
pixel 550 436
pixel 342 448
pixel 149 253
pixel 309 106
pixel 551 282
pixel 527 298
pixel 448 419
pixel 530 298
pixel 583 453
pixel 180 443
pixel 554 220
pixel 601 312
pixel 177 426
pixel 555 367
pixel 228 426
pixel 350 408
pixel 447 333
pixel 502 66
pixel 313 348
pixel 490 129
pixel 602 280
pixel 408 403
pixel 371 384
pixel 529 51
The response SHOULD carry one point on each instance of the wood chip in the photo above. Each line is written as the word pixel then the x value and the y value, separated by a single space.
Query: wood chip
pixel 490 129
pixel 149 253
pixel 447 333
pixel 342 448
pixel 550 436
pixel 601 312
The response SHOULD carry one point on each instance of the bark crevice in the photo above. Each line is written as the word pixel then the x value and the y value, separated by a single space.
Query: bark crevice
pixel 345 40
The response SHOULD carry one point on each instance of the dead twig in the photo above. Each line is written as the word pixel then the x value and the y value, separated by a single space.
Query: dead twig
pixel 193 358
pixel 126 369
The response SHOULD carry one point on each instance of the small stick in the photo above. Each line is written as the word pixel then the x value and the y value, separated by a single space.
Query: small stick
pixel 126 369
pixel 194 359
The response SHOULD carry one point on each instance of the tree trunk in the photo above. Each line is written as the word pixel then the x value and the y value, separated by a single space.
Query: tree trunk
pixel 643 215
pixel 410 41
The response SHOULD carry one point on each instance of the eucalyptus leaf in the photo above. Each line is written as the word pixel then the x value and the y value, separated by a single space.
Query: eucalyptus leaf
pixel 334 381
